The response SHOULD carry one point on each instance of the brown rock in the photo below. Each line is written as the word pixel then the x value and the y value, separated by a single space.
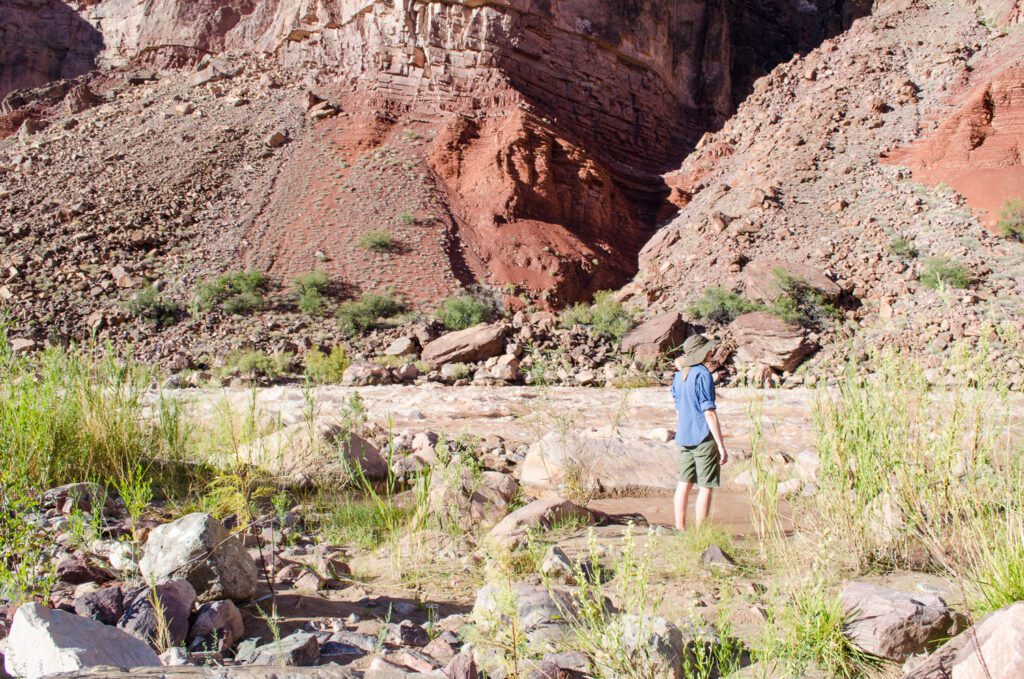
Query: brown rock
pixel 538 514
pixel 760 279
pixel 466 346
pixel 762 338
pixel 656 336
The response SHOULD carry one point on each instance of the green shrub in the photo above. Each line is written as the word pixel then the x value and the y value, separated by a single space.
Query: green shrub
pixel 326 368
pixel 148 305
pixel 377 241
pixel 310 288
pixel 720 305
pixel 406 217
pixel 464 311
pixel 901 246
pixel 236 293
pixel 605 316
pixel 260 363
pixel 798 302
pixel 942 272
pixel 372 308
pixel 1011 219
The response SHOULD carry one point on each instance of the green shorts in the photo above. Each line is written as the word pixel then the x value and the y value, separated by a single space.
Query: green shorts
pixel 699 464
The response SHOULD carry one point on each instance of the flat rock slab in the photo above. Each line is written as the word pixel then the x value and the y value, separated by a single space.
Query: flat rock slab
pixel 465 346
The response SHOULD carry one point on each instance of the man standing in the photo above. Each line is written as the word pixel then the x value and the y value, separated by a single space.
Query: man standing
pixel 698 434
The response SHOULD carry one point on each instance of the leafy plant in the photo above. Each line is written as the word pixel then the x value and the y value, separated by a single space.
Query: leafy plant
pixel 901 246
pixel 256 362
pixel 1011 218
pixel 942 272
pixel 370 310
pixel 326 368
pixel 605 316
pixel 464 311
pixel 377 241
pixel 236 293
pixel 28 567
pixel 150 306
pixel 310 289
pixel 798 302
pixel 720 305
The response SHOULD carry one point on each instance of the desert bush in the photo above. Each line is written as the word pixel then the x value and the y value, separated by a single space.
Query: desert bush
pixel 377 241
pixel 407 217
pixel 326 368
pixel 370 310
pixel 151 307
pixel 309 290
pixel 28 568
pixel 942 272
pixel 1011 219
pixel 901 246
pixel 605 316
pixel 720 305
pixel 236 293
pixel 466 310
pixel 798 302
pixel 254 362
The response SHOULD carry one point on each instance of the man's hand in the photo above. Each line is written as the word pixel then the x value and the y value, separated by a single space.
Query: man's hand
pixel 723 457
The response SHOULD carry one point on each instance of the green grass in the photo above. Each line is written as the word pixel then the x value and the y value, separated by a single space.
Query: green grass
pixel 943 272
pixel 238 293
pixel 720 305
pixel 309 289
pixel 465 311
pixel 377 241
pixel 370 310
pixel 361 523
pixel 1011 218
pixel 326 368
pixel 407 217
pixel 605 316
pixel 149 305
pixel 903 247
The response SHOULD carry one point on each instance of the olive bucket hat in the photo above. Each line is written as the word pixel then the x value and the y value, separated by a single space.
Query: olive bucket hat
pixel 695 350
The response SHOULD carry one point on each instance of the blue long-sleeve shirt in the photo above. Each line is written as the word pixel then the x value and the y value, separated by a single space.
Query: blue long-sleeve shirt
pixel 693 396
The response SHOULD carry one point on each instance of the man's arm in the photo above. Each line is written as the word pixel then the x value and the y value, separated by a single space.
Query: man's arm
pixel 711 416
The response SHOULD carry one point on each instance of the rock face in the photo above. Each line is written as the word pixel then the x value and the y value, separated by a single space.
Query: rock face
pixel 893 624
pixel 999 651
pixel 654 337
pixel 45 641
pixel 198 548
pixel 607 466
pixel 764 339
pixel 465 346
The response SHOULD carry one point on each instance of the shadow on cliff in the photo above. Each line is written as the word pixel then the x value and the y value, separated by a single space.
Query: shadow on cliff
pixel 44 41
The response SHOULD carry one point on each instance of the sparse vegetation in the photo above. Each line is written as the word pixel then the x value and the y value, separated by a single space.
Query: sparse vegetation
pixel 260 363
pixel 310 289
pixel 326 368
pixel 903 247
pixel 1011 219
pixel 798 302
pixel 237 293
pixel 721 305
pixel 149 305
pixel 605 316
pixel 466 310
pixel 943 272
pixel 407 217
pixel 370 310
pixel 377 241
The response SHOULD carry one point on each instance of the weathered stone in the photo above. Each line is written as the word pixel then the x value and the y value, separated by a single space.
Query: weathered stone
pixel 461 498
pixel 893 624
pixel 276 139
pixel 542 513
pixel 325 452
pixel 466 346
pixel 198 548
pixel 363 373
pixel 295 650
pixel 761 282
pixel 655 644
pixel 218 625
pixel 541 613
pixel 657 336
pixel 143 621
pixel 103 605
pixel 557 565
pixel 403 346
pixel 764 339
pixel 45 641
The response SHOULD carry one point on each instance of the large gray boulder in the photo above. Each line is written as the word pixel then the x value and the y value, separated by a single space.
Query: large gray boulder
pixel 458 497
pixel 894 624
pixel 466 346
pixel 197 548
pixel 539 514
pixel 45 641
pixel 601 465
pixel 541 614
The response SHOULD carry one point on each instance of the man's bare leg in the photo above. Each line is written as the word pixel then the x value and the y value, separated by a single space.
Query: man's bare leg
pixel 681 499
pixel 703 505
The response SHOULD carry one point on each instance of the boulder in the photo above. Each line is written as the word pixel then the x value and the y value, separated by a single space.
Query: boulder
pixel 539 514
pixel 654 644
pixel 999 651
pixel 403 346
pixel 557 565
pixel 894 624
pixel 295 650
pixel 197 548
pixel 764 339
pixel 602 465
pixel 218 625
pixel 324 452
pixel 143 621
pixel 542 613
pixel 656 336
pixel 364 373
pixel 45 641
pixel 103 605
pixel 466 346
pixel 461 498
pixel 760 281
